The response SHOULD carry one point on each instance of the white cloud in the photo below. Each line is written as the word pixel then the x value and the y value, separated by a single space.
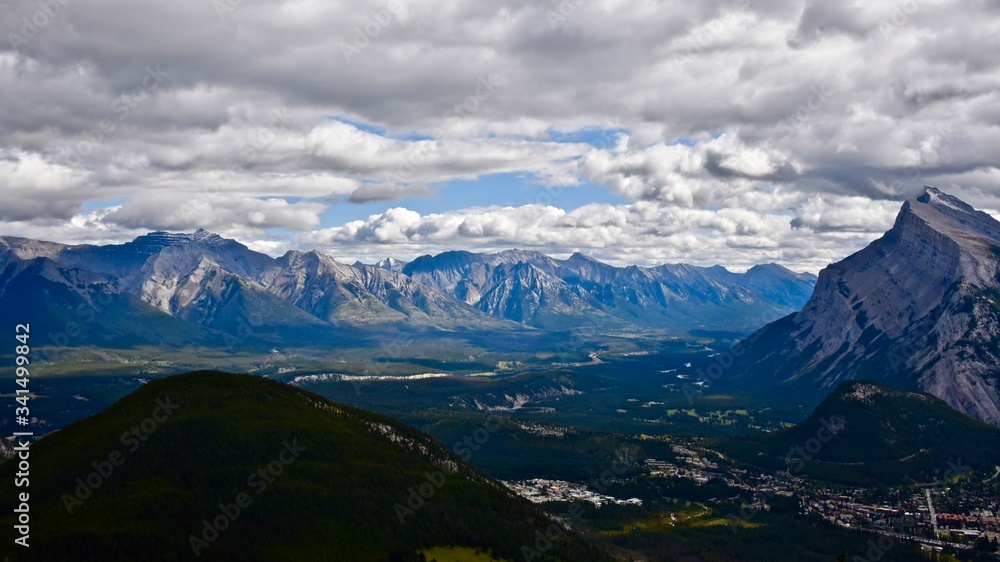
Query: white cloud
pixel 786 130
pixel 215 212
pixel 684 175
pixel 644 232
pixel 845 214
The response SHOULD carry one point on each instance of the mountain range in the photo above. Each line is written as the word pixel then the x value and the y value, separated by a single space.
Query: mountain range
pixel 179 289
pixel 538 290
pixel 918 309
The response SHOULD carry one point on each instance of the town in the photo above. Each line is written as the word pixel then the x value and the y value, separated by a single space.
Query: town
pixel 541 491
pixel 953 517
pixel 963 514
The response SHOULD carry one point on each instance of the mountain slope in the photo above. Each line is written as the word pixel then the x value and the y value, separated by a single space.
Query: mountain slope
pixel 773 282
pixel 325 288
pixel 193 284
pixel 919 309
pixel 321 481
pixel 868 433
pixel 70 307
pixel 526 293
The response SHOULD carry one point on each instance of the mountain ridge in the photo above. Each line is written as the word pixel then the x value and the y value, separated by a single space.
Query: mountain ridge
pixel 866 433
pixel 680 296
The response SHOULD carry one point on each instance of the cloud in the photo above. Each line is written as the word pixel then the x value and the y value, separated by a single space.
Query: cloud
pixel 788 129
pixel 34 188
pixel 644 232
pixel 821 20
pixel 844 214
pixel 215 212
pixel 685 175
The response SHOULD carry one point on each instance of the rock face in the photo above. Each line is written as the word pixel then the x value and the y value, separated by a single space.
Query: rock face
pixel 918 309
pixel 359 294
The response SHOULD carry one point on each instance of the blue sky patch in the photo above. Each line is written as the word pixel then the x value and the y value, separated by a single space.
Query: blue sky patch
pixel 505 190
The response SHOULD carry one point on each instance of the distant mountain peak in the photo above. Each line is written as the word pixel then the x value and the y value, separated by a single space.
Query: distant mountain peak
pixel 582 262
pixel 778 270
pixel 769 267
pixel 391 264
pixel 951 217
pixel 515 255
pixel 202 235
pixel 580 256
pixel 159 239
pixel 936 197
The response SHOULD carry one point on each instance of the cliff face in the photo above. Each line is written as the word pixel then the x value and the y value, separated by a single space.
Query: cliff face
pixel 919 308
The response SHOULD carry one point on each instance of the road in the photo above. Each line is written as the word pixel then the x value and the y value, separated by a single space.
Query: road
pixel 997 473
pixel 922 540
pixel 930 506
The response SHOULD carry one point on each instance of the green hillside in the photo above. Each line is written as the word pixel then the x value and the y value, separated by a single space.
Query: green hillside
pixel 864 433
pixel 312 480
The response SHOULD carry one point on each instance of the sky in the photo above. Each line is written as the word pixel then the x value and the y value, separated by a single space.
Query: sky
pixel 728 132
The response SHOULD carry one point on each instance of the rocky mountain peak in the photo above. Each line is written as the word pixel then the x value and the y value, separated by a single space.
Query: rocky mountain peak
pixel 935 197
pixel 390 264
pixel 916 309
pixel 156 241
pixel 951 217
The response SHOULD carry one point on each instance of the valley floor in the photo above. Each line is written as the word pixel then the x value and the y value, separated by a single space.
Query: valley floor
pixel 621 431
